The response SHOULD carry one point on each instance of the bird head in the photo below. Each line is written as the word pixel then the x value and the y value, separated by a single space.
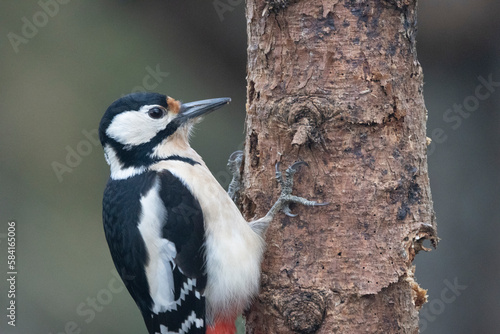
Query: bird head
pixel 141 128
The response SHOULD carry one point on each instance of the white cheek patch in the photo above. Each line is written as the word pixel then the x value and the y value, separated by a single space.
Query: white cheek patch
pixel 135 127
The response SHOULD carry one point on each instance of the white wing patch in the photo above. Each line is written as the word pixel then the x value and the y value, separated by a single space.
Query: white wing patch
pixel 161 252
pixel 186 325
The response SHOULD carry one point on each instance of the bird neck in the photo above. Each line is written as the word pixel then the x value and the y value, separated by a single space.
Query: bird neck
pixel 176 145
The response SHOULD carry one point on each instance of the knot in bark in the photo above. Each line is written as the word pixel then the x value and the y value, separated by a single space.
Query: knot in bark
pixel 303 116
pixel 299 108
pixel 303 310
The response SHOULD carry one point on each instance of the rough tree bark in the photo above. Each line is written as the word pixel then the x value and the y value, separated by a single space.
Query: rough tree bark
pixel 336 83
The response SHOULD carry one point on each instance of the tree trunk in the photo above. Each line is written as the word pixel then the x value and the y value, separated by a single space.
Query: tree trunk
pixel 337 84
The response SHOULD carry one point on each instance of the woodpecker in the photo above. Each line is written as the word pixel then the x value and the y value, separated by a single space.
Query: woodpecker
pixel 185 253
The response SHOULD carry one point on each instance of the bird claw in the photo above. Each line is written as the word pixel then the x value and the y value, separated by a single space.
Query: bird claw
pixel 286 184
pixel 320 204
pixel 234 161
pixel 234 164
pixel 294 168
pixel 298 164
pixel 277 173
pixel 235 155
pixel 286 210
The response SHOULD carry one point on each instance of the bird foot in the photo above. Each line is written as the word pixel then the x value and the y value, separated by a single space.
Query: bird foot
pixel 286 183
pixel 234 164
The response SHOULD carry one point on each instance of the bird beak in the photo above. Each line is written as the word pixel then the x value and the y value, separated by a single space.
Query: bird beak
pixel 195 109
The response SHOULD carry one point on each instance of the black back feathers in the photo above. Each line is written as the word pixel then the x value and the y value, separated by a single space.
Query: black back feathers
pixel 183 226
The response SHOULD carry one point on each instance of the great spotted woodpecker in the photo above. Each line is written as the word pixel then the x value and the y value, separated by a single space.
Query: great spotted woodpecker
pixel 185 253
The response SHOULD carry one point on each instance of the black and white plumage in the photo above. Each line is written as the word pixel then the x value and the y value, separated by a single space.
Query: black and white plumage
pixel 167 220
pixel 185 253
pixel 175 283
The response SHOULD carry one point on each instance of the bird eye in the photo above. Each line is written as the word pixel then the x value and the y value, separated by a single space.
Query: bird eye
pixel 156 113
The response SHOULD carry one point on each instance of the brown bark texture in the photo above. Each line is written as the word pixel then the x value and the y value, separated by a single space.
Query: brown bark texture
pixel 337 84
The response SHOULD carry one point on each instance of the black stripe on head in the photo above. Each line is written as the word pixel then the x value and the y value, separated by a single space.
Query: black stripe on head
pixel 140 155
pixel 128 102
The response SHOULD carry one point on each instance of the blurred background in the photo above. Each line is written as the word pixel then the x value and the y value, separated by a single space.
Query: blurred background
pixel 63 64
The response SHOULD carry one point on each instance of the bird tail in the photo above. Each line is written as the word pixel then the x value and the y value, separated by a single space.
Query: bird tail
pixel 225 326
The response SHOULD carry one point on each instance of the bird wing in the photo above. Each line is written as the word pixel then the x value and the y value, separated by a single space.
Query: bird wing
pixel 155 232
pixel 180 307
pixel 121 209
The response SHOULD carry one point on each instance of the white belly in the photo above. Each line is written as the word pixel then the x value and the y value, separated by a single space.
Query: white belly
pixel 233 250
